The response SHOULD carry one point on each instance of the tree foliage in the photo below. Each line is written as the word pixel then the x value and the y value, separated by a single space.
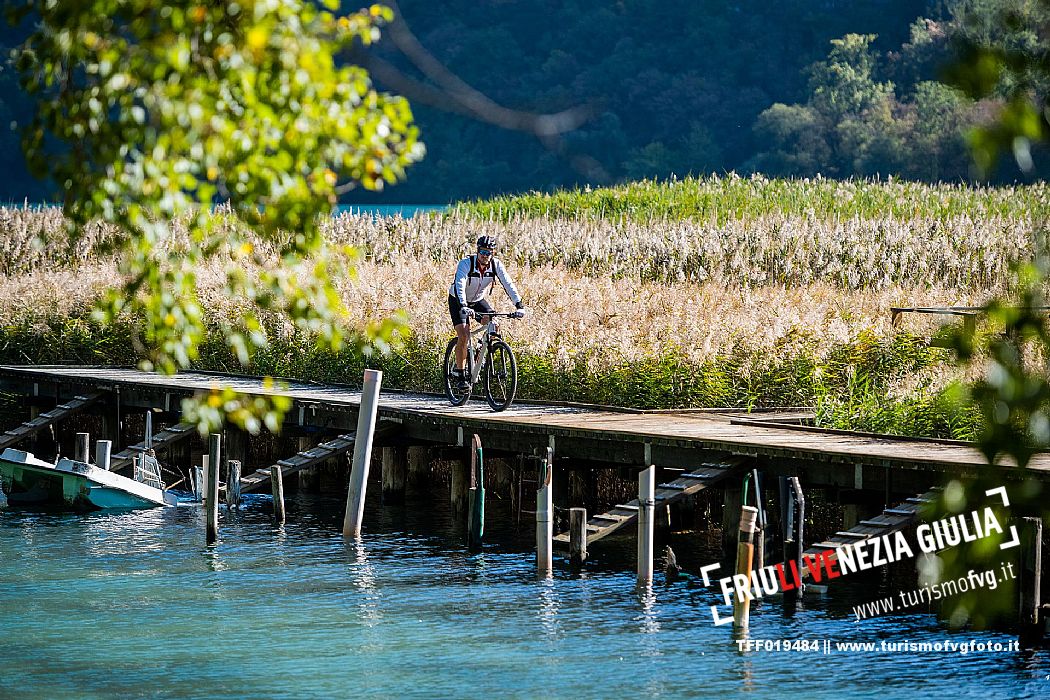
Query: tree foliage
pixel 151 112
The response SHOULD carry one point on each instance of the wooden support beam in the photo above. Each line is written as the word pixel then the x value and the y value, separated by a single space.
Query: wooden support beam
pixel 395 474
pixel 418 466
pixel 1030 579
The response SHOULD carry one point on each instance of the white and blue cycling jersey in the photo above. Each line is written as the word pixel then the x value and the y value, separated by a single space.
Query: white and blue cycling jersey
pixel 471 285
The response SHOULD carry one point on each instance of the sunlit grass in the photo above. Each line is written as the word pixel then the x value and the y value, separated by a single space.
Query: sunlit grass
pixel 722 292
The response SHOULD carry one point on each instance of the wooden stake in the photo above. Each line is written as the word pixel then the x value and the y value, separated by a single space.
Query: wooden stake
pixel 646 523
pixel 277 484
pixel 544 513
pixel 233 483
pixel 577 536
pixel 197 483
pixel 745 553
pixel 366 423
pixel 103 450
pixel 212 488
pixel 81 452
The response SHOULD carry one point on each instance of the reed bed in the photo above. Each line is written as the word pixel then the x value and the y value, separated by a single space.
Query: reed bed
pixel 723 198
pixel 776 294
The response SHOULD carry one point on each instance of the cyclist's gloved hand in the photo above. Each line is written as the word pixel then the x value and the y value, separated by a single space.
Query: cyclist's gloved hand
pixel 465 314
pixel 520 313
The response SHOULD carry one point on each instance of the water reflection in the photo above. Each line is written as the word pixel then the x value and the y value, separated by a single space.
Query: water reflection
pixel 548 610
pixel 363 577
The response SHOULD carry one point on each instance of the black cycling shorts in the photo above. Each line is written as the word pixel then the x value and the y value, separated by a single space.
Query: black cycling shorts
pixel 482 306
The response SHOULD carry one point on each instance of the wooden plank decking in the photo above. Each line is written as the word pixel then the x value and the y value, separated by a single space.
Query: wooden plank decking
pixel 684 485
pixel 558 422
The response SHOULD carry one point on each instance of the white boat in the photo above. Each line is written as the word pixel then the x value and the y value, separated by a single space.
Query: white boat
pixel 28 480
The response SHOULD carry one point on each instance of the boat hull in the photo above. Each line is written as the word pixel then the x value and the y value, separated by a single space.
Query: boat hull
pixel 30 481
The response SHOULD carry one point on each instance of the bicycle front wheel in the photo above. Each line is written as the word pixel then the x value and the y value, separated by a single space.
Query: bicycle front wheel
pixel 454 392
pixel 501 376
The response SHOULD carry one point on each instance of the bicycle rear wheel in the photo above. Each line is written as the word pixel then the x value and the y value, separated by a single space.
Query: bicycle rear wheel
pixel 501 376
pixel 453 392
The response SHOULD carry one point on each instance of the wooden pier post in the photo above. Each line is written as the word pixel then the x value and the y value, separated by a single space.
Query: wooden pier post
pixel 793 510
pixel 203 484
pixel 1030 579
pixel 197 483
pixel 418 466
pixel 476 515
pixel 395 473
pixel 646 523
pixel 233 483
pixel 460 490
pixel 103 452
pixel 366 423
pixel 544 517
pixel 745 553
pixel 212 488
pixel 277 485
pixel 577 536
pixel 731 499
pixel 82 449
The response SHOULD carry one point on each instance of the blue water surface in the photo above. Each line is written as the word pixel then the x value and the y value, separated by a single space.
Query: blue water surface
pixel 134 604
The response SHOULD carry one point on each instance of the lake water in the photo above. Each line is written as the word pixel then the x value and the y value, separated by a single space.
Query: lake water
pixel 134 604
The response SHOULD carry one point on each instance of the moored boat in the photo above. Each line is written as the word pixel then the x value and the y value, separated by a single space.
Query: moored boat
pixel 28 480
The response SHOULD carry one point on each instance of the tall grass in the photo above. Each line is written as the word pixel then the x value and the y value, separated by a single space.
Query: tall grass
pixel 721 199
pixel 720 292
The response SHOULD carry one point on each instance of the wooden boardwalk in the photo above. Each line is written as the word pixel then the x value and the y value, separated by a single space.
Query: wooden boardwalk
pixel 665 494
pixel 631 437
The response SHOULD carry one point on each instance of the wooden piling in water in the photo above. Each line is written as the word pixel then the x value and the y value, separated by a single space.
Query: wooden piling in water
pixel 277 486
pixel 418 466
pixel 646 523
pixel 211 504
pixel 745 553
pixel 460 490
pixel 544 517
pixel 366 423
pixel 395 474
pixel 82 448
pixel 476 515
pixel 577 536
pixel 1030 579
pixel 103 452
pixel 233 483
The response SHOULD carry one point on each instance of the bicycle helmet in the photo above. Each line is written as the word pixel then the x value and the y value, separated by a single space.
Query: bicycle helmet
pixel 488 242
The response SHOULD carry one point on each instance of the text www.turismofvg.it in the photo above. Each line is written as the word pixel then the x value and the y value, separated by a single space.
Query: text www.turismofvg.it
pixel 990 579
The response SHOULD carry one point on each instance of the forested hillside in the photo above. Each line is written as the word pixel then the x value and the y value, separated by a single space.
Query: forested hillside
pixel 798 87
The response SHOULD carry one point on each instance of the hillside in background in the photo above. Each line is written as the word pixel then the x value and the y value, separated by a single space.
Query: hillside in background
pixel 838 87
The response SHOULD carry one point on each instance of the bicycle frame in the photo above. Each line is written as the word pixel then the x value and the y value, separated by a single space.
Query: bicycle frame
pixel 477 347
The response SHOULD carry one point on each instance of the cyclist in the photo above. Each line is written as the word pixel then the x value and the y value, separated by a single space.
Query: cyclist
pixel 468 296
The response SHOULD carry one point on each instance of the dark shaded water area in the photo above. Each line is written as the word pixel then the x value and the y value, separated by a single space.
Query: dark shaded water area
pixel 134 604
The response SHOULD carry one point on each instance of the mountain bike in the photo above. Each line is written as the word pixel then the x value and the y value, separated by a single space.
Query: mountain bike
pixel 488 356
